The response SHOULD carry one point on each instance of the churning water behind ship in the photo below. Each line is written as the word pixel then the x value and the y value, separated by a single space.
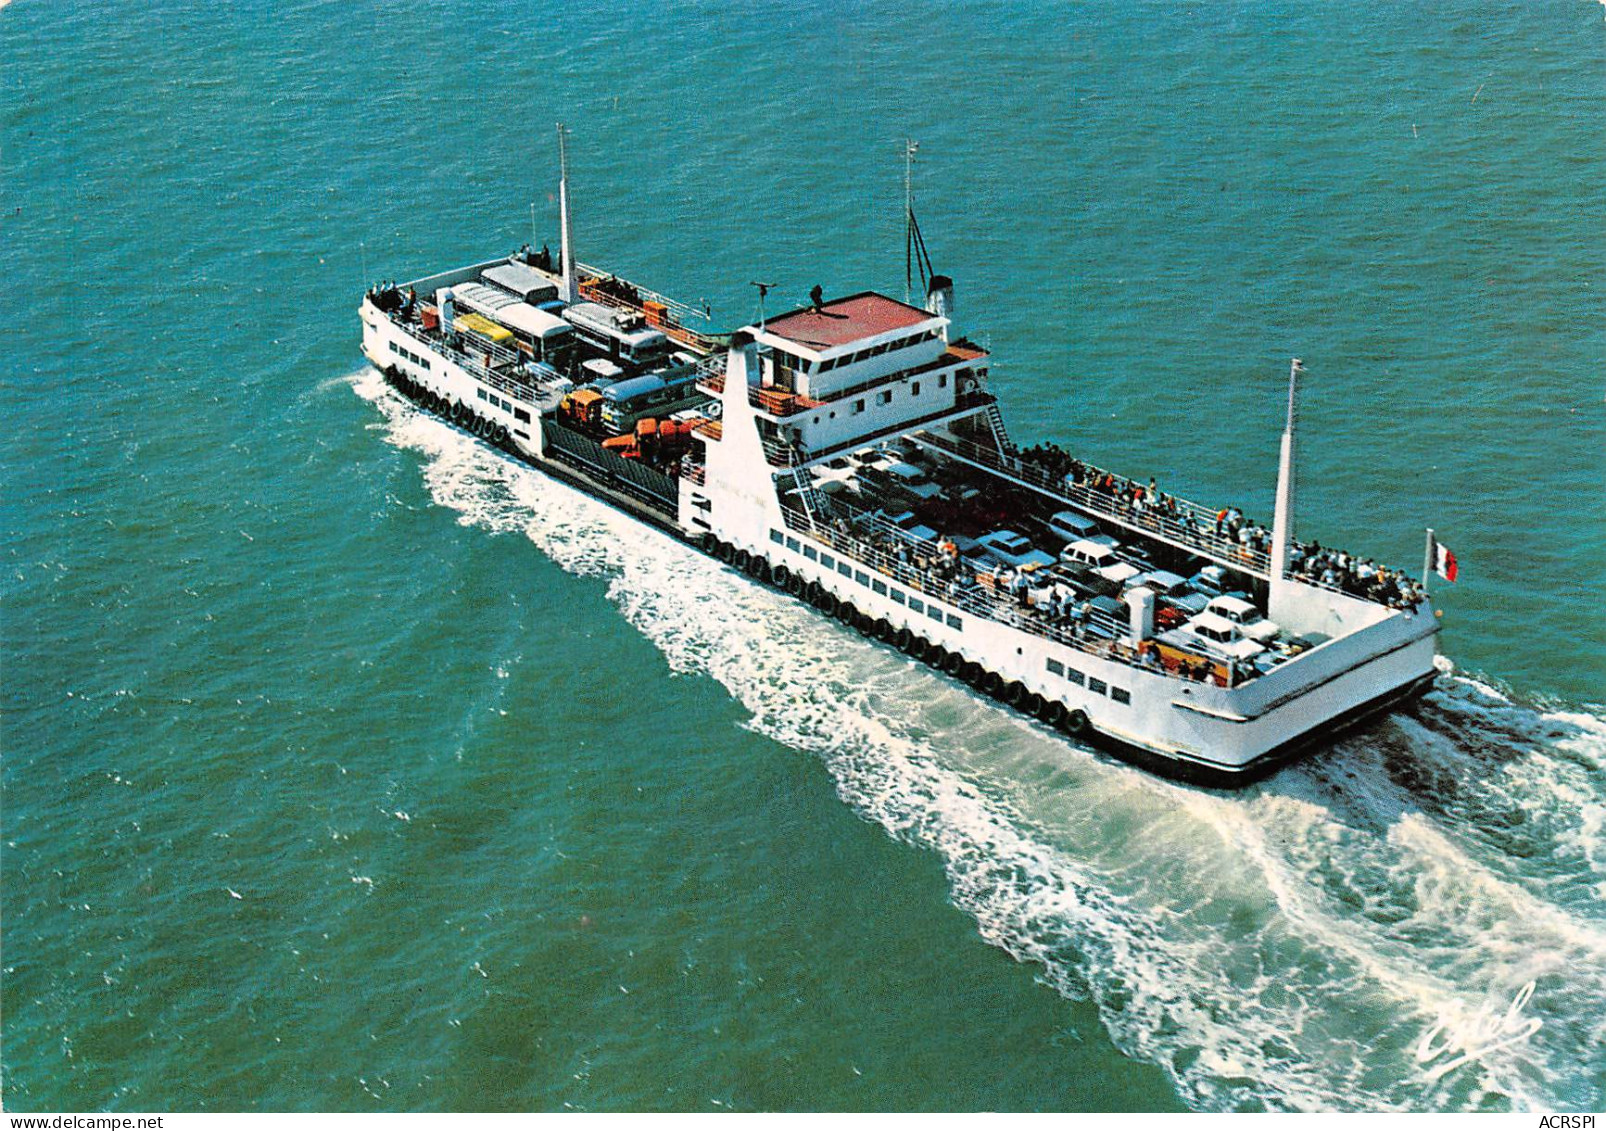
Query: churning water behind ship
pixel 1359 931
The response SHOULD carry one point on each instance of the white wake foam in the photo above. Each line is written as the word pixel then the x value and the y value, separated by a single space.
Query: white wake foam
pixel 1285 947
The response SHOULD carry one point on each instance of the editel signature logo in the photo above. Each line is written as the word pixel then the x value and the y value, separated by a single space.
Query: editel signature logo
pixel 1451 1045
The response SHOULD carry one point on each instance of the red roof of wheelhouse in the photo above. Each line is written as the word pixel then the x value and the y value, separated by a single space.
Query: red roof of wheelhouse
pixel 844 321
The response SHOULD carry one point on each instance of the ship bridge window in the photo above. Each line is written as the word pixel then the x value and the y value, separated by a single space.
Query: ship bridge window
pixel 861 577
pixel 879 587
pixel 1074 676
pixel 827 561
pixel 916 605
pixel 934 612
pixel 1097 686
pixel 1056 667
pixel 844 569
pixel 777 537
pixel 955 622
pixel 897 596
pixel 793 544
pixel 811 553
pixel 480 393
pixel 1120 695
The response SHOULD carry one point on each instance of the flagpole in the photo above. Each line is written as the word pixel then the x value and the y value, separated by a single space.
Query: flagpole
pixel 1427 561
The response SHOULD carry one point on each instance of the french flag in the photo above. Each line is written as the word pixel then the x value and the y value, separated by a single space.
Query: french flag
pixel 1444 562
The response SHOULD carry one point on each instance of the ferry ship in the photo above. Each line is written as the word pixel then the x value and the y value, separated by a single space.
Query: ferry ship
pixel 852 453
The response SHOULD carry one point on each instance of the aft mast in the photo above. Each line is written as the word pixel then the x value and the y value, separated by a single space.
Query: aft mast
pixel 1282 531
pixel 567 289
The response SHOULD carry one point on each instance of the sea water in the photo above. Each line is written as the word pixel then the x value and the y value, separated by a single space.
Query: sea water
pixel 346 765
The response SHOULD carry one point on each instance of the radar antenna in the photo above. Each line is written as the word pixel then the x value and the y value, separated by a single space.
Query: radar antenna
pixel 763 289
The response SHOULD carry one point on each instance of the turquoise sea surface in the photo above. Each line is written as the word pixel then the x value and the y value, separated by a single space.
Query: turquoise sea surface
pixel 347 766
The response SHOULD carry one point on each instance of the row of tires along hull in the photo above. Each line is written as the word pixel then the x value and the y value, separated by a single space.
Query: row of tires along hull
pixel 459 413
pixel 1012 693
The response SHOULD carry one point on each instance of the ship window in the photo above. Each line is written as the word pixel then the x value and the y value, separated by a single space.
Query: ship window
pixel 480 393
pixel 392 346
pixel 861 577
pixel 520 415
pixel 914 389
pixel 793 544
pixel 827 561
pixel 811 553
pixel 777 537
pixel 1120 695
pixel 884 397
pixel 1056 667
pixel 933 612
pixel 879 587
pixel 897 596
pixel 942 380
pixel 424 362
pixel 1097 686
pixel 858 405
pixel 1075 676
pixel 916 605
pixel 844 569
pixel 955 622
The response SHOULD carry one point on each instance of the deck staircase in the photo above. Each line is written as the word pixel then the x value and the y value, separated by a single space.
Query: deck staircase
pixel 995 422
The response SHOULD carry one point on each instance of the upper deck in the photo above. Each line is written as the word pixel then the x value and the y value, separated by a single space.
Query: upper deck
pixel 1180 523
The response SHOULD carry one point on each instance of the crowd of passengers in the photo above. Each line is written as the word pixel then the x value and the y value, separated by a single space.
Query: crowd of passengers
pixel 1359 577
pixel 1129 496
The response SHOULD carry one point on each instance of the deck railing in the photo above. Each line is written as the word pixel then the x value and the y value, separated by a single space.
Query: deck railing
pixel 1189 526
pixel 915 568
pixel 670 315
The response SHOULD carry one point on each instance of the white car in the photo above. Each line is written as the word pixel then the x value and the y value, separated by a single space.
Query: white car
pixel 1093 554
pixel 1014 549
pixel 1119 572
pixel 1219 635
pixel 1246 617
